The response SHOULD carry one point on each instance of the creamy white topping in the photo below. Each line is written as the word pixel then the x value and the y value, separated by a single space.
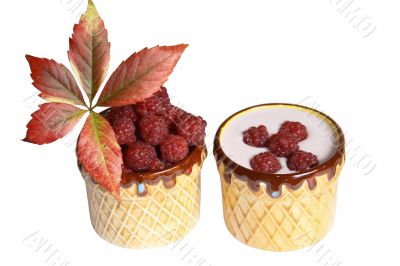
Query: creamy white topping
pixel 321 139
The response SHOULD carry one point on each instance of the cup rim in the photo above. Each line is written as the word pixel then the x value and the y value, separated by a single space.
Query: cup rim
pixel 169 173
pixel 276 180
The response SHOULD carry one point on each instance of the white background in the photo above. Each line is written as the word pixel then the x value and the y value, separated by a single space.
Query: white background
pixel 241 53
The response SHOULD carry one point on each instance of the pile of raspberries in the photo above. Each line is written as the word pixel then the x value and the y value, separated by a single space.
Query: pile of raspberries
pixel 285 143
pixel 155 134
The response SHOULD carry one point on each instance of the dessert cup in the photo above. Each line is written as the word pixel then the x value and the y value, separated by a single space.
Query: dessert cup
pixel 280 212
pixel 155 209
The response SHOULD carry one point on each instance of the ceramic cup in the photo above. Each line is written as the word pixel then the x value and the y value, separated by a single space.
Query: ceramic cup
pixel 156 209
pixel 279 212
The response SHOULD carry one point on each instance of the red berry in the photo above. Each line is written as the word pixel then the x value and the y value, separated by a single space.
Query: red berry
pixel 162 94
pixel 266 163
pixel 174 149
pixel 172 115
pixel 157 165
pixel 298 130
pixel 151 105
pixel 115 113
pixel 140 108
pixel 192 128
pixel 124 130
pixel 155 104
pixel 126 169
pixel 302 160
pixel 153 129
pixel 282 144
pixel 256 136
pixel 139 156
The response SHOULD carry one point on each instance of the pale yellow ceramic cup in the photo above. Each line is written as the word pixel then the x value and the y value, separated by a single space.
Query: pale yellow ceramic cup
pixel 279 212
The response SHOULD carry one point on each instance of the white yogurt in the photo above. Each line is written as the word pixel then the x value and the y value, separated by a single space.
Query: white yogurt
pixel 321 139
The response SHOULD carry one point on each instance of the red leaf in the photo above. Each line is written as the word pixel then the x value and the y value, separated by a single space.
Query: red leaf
pixel 141 75
pixel 55 81
pixel 52 122
pixel 100 154
pixel 89 51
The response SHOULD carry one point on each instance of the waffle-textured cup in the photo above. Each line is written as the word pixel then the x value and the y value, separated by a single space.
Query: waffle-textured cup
pixel 280 212
pixel 156 209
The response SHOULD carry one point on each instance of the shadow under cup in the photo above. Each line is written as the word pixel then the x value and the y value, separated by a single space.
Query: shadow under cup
pixel 279 212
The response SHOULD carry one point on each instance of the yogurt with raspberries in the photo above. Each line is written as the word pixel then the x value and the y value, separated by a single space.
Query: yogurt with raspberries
pixel 321 139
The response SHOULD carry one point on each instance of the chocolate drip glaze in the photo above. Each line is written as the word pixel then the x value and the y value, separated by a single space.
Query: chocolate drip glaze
pixel 167 176
pixel 274 182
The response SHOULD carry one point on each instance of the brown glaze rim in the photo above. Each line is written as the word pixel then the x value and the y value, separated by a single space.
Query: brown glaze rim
pixel 168 175
pixel 274 182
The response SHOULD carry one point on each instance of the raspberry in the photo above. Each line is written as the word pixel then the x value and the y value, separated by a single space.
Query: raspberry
pixel 126 169
pixel 172 115
pixel 298 130
pixel 139 156
pixel 115 113
pixel 157 165
pixel 266 163
pixel 192 128
pixel 151 105
pixel 174 149
pixel 256 136
pixel 162 94
pixel 302 160
pixel 124 131
pixel 140 108
pixel 153 129
pixel 282 144
pixel 155 104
